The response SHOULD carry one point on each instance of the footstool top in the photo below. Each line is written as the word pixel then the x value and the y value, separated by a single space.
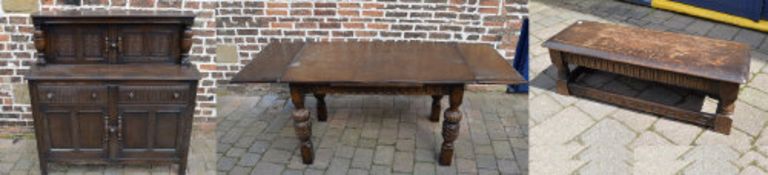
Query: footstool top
pixel 686 54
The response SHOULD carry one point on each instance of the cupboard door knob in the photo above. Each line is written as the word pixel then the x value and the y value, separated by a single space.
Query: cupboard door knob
pixel 130 95
pixel 49 95
pixel 176 95
pixel 93 95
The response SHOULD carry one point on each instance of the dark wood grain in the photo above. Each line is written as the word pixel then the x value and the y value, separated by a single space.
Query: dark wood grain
pixel 112 87
pixel 113 72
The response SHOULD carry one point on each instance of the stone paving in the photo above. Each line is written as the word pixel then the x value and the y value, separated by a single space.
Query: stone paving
pixel 20 158
pixel 577 136
pixel 369 134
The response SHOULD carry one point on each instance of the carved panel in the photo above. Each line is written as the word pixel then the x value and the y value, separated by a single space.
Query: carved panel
pixel 150 128
pixel 639 72
pixel 77 44
pixel 76 128
pixel 143 43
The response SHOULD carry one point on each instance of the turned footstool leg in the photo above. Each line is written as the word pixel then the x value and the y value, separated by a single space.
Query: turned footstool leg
pixel 725 107
pixel 451 126
pixel 435 115
pixel 302 125
pixel 322 110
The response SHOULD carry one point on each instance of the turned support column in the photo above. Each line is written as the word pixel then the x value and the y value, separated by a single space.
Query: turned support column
pixel 322 110
pixel 302 124
pixel 435 115
pixel 728 92
pixel 451 125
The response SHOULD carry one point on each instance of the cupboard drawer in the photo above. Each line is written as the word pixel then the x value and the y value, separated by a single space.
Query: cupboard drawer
pixel 71 93
pixel 167 93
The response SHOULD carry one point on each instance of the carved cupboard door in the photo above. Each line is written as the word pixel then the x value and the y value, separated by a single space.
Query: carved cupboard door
pixel 150 131
pixel 75 129
pixel 78 44
pixel 148 43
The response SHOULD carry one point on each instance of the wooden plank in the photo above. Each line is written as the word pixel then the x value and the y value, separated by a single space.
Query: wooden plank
pixel 113 72
pixel 487 65
pixel 270 64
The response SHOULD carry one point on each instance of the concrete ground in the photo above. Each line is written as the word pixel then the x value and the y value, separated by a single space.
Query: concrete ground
pixel 21 157
pixel 577 136
pixel 370 134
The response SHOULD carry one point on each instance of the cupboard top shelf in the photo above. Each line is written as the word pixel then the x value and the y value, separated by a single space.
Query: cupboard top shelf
pixel 113 72
pixel 113 16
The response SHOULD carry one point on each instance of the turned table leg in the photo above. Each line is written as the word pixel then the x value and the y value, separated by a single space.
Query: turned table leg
pixel 435 115
pixel 726 105
pixel 563 72
pixel 322 110
pixel 451 125
pixel 302 125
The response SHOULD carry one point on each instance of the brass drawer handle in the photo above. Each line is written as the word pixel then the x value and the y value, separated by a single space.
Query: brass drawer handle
pixel 176 95
pixel 49 95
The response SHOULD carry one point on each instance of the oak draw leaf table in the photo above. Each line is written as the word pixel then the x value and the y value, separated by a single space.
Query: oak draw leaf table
pixel 396 68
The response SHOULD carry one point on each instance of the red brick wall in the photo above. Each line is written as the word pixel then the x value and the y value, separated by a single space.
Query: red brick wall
pixel 16 50
pixel 252 24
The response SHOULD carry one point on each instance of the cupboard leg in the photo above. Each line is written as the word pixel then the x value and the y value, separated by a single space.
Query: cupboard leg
pixel 302 125
pixel 451 126
pixel 182 167
pixel 43 167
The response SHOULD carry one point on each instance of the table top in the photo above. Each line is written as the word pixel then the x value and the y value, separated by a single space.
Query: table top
pixel 113 72
pixel 380 62
pixel 691 55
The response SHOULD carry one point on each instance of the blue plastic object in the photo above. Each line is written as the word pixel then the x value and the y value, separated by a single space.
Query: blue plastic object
pixel 520 63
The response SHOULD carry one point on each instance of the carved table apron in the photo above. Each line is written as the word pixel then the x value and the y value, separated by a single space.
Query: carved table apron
pixel 714 67
pixel 396 68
